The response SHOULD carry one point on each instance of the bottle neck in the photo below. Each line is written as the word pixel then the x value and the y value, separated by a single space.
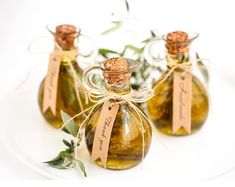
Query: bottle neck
pixel 72 57
pixel 120 88
pixel 179 58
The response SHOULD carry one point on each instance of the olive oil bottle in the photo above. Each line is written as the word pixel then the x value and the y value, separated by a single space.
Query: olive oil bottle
pixel 64 90
pixel 129 138
pixel 161 106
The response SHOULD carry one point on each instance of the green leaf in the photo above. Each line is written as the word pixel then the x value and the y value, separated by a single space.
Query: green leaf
pixel 135 49
pixel 66 164
pixel 57 160
pixel 64 154
pixel 58 166
pixel 70 127
pixel 105 52
pixel 67 143
pixel 127 6
pixel 66 159
pixel 123 51
pixel 152 34
pixel 82 167
pixel 153 37
pixel 135 86
pixel 132 48
pixel 147 40
pixel 72 145
pixel 116 26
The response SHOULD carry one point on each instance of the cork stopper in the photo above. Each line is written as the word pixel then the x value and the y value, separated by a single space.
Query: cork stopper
pixel 116 70
pixel 65 36
pixel 177 42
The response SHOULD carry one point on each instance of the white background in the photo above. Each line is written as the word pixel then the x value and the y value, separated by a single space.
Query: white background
pixel 23 20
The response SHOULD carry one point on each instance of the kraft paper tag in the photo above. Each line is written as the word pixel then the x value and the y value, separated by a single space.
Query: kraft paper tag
pixel 51 82
pixel 103 132
pixel 182 91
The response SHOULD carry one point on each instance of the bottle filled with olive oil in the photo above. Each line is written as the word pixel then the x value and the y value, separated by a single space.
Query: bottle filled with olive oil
pixel 130 135
pixel 62 89
pixel 180 104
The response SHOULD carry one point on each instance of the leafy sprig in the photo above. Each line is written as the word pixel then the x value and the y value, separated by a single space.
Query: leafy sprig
pixel 139 78
pixel 66 158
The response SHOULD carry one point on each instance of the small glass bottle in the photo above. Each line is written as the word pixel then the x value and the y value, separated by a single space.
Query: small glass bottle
pixel 69 94
pixel 160 107
pixel 125 149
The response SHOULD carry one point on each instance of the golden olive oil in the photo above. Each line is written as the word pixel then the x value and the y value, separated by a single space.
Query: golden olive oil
pixel 130 139
pixel 66 95
pixel 160 107
pixel 71 96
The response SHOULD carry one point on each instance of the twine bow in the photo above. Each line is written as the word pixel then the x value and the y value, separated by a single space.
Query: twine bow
pixel 103 95
pixel 100 95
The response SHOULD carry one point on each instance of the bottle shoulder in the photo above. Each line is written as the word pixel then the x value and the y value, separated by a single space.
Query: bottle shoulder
pixel 166 80
pixel 125 113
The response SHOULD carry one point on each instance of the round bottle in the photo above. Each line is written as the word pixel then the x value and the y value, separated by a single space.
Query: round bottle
pixel 70 96
pixel 126 144
pixel 160 107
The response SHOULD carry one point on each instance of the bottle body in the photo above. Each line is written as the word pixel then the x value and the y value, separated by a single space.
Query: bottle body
pixel 66 99
pixel 160 107
pixel 126 142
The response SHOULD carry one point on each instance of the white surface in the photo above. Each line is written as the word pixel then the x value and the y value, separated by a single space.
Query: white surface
pixel 23 20
pixel 203 155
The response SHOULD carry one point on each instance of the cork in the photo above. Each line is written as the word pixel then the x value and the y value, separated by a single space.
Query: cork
pixel 116 70
pixel 177 42
pixel 65 36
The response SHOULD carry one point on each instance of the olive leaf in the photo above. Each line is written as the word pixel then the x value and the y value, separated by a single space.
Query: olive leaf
pixel 65 159
pixel 152 33
pixel 82 167
pixel 139 78
pixel 70 126
pixel 116 26
pixel 153 37
pixel 127 6
pixel 106 52
pixel 133 48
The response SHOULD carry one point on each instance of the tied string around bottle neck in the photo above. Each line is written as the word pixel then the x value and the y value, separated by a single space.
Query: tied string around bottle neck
pixel 56 57
pixel 184 66
pixel 101 95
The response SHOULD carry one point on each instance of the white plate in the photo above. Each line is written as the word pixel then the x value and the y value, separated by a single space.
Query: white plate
pixel 203 155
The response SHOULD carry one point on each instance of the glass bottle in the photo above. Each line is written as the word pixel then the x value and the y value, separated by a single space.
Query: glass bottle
pixel 160 107
pixel 71 96
pixel 126 143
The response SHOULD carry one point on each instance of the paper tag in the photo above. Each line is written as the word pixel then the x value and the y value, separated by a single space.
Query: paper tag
pixel 182 90
pixel 103 132
pixel 51 82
